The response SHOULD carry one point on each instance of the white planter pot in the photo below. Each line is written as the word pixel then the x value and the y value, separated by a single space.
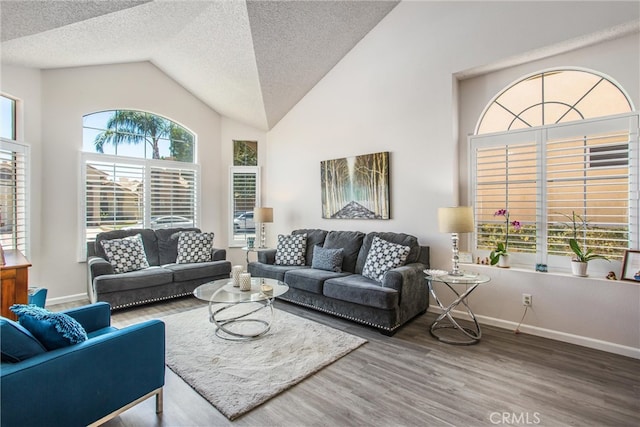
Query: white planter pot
pixel 579 268
pixel 503 261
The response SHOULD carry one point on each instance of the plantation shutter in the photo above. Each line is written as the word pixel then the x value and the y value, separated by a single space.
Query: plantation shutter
pixel 245 196
pixel 507 172
pixel 588 174
pixel 173 196
pixel 13 195
pixel 114 196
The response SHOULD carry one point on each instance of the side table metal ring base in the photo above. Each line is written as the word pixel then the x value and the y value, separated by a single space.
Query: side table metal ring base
pixel 468 332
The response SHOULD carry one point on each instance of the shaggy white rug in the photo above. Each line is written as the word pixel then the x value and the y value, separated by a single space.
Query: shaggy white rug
pixel 237 376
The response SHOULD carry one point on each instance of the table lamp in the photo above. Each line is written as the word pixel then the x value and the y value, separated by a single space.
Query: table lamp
pixel 263 216
pixel 455 220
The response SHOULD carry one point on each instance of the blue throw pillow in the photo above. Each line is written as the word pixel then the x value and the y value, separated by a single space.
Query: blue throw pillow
pixel 17 344
pixel 53 330
pixel 327 259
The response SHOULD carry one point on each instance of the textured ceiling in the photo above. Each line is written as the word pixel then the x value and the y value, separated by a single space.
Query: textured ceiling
pixel 251 61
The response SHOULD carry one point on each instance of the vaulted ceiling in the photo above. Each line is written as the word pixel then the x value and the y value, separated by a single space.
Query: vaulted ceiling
pixel 248 60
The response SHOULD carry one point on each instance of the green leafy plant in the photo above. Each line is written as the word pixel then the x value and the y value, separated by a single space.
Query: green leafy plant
pixel 580 254
pixel 501 249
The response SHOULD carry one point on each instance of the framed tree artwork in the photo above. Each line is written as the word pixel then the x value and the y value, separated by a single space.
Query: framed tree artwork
pixel 356 187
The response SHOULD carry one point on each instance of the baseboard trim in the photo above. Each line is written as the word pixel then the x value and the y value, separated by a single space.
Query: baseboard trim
pixel 68 298
pixel 548 333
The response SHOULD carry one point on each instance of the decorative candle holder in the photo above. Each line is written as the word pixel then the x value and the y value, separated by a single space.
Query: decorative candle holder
pixel 236 271
pixel 245 282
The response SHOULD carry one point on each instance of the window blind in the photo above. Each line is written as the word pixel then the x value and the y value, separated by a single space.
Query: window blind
pixel 13 195
pixel 136 193
pixel 244 192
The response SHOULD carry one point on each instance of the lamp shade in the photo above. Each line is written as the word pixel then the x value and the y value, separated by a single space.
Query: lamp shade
pixel 455 220
pixel 263 215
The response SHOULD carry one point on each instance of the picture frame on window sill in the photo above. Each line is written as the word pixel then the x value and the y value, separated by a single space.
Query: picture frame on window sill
pixel 631 266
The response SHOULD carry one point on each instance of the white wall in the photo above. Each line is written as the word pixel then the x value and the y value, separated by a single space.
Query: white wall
pixel 395 91
pixel 68 94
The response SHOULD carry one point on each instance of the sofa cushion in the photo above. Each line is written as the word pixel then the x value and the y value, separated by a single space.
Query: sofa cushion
pixel 194 247
pixel 167 239
pixel 53 330
pixel 126 254
pixel 17 343
pixel 291 249
pixel 382 257
pixel 314 237
pixel 361 290
pixel 399 238
pixel 184 272
pixel 327 259
pixel 152 276
pixel 271 271
pixel 310 279
pixel 149 241
pixel 350 242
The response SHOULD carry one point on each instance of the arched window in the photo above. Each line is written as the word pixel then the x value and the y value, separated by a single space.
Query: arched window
pixel 139 172
pixel 553 97
pixel 554 146
pixel 136 134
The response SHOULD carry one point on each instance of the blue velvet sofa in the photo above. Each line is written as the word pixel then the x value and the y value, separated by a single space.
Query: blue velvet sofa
pixel 85 383
pixel 387 304
pixel 163 279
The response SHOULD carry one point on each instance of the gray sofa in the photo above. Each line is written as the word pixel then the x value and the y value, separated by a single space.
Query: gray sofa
pixel 399 297
pixel 163 279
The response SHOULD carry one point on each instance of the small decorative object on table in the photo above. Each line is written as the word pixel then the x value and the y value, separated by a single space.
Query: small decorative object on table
pixel 236 270
pixel 245 282
pixel 251 241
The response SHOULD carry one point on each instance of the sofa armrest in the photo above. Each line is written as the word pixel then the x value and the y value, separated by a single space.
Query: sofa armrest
pixel 407 279
pixel 82 383
pixel 92 317
pixel 267 256
pixel 99 266
pixel 218 254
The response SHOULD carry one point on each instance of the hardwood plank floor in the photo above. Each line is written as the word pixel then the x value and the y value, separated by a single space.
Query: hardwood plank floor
pixel 411 379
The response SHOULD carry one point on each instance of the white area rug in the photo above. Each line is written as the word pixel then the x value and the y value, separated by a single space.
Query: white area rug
pixel 237 376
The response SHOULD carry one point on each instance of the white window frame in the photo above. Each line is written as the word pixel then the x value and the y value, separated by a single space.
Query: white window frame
pixel 25 151
pixel 147 165
pixel 555 262
pixel 233 242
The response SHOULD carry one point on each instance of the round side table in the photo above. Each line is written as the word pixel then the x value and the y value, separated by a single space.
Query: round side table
pixel 445 320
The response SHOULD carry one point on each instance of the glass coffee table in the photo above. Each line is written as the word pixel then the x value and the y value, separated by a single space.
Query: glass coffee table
pixel 230 309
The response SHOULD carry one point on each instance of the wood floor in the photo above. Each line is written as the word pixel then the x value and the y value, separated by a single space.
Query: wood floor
pixel 411 379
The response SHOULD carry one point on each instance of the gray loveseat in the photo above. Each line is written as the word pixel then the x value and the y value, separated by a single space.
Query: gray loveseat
pixel 388 304
pixel 163 279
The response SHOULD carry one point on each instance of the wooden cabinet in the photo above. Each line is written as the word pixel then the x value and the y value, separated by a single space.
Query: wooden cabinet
pixel 14 280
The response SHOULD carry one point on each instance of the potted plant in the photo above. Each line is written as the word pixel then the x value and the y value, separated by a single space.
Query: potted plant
pixel 500 255
pixel 581 258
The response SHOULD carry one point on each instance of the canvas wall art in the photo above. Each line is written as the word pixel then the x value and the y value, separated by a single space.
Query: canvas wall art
pixel 356 187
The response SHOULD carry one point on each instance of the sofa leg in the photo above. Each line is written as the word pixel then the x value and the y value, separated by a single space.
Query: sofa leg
pixel 159 401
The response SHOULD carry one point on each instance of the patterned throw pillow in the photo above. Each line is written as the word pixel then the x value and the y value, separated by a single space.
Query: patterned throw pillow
pixel 194 247
pixel 291 249
pixel 126 254
pixel 327 259
pixel 53 330
pixel 382 257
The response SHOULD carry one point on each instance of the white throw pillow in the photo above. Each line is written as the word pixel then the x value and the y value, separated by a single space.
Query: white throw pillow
pixel 382 257
pixel 291 249
pixel 194 247
pixel 126 254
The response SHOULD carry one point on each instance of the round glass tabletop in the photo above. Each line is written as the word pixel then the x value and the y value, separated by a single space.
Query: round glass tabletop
pixel 223 291
pixel 465 278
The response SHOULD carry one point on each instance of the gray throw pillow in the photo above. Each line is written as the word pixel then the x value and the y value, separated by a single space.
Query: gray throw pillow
pixel 327 259
pixel 382 257
pixel 126 254
pixel 291 249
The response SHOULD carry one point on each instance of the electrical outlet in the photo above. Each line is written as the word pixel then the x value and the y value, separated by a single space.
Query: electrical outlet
pixel 527 300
